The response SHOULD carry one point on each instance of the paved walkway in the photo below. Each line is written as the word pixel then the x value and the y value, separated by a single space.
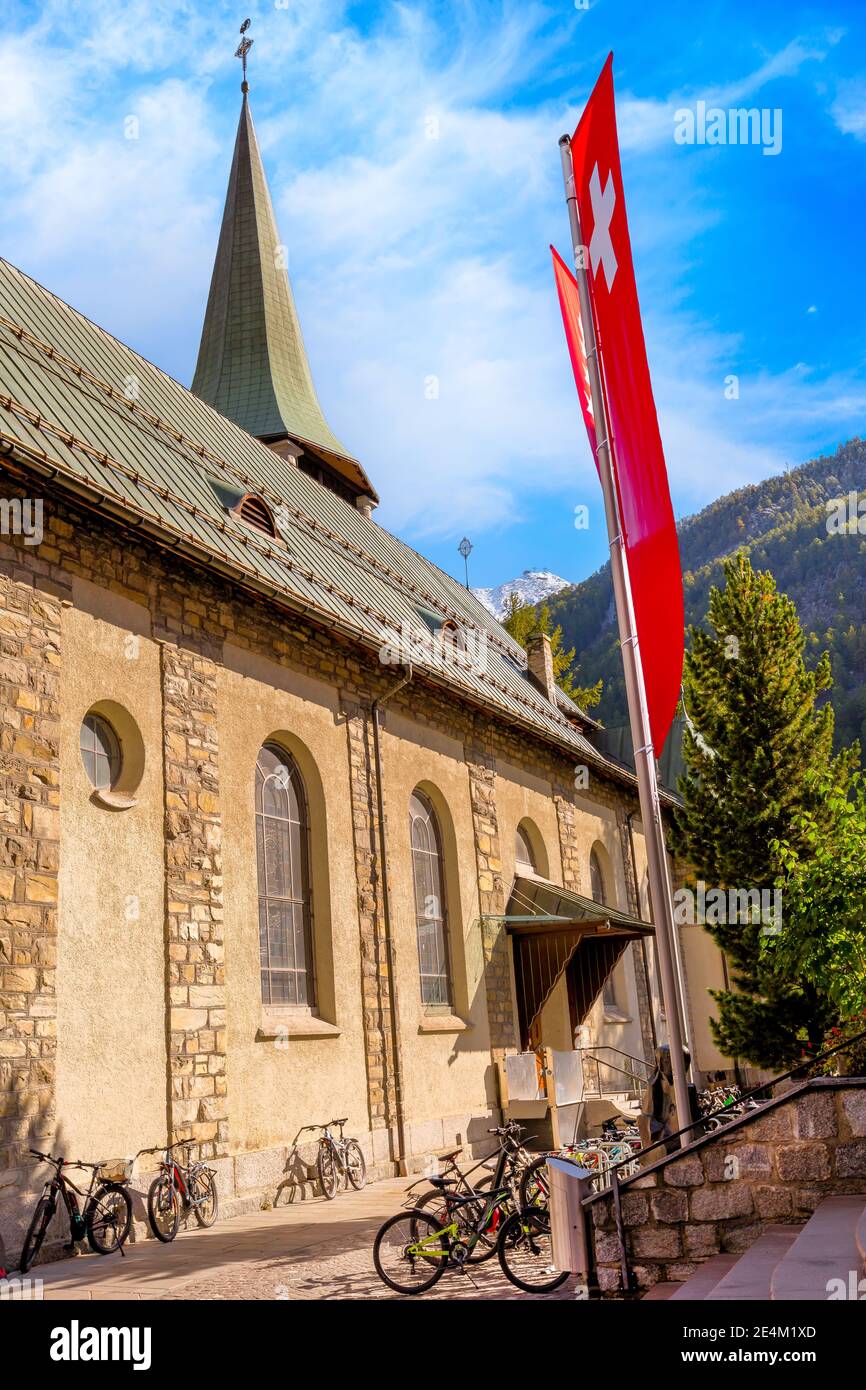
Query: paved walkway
pixel 312 1249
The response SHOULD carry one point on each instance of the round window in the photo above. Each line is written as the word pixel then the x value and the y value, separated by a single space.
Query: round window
pixel 100 752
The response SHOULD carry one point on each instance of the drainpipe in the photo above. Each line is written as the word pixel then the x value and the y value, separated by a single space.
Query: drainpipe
pixel 375 709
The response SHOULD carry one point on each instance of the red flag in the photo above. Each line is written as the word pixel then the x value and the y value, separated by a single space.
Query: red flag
pixel 639 464
pixel 569 303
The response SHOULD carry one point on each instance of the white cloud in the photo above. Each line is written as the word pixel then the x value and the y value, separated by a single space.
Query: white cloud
pixel 849 108
pixel 411 257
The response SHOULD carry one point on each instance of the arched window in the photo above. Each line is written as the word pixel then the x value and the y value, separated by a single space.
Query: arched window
pixel 256 512
pixel 451 634
pixel 282 855
pixel 430 921
pixel 524 859
pixel 596 877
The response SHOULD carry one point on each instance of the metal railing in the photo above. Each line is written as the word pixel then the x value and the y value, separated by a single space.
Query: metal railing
pixel 616 1184
pixel 636 1071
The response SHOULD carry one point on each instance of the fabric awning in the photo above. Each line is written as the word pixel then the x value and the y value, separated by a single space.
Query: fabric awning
pixel 551 927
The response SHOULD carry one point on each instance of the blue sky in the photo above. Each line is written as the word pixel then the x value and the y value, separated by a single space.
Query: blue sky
pixel 412 154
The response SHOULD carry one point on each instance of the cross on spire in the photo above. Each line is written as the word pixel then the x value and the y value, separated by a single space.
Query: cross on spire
pixel 241 52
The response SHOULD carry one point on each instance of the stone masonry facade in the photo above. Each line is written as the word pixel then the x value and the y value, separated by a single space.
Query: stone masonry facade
pixel 30 841
pixel 198 1103
pixel 775 1168
pixel 376 966
pixel 191 613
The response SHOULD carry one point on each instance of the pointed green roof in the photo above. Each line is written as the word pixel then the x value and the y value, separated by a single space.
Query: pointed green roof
pixel 252 365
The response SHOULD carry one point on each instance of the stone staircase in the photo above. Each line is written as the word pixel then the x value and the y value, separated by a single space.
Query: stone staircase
pixel 788 1263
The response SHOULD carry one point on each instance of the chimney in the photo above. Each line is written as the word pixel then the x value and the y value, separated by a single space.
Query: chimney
pixel 365 505
pixel 539 659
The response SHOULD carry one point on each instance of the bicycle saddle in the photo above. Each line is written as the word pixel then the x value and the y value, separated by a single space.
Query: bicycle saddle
pixel 441 1182
pixel 340 1122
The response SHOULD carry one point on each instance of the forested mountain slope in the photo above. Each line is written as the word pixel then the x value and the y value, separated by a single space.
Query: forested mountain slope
pixel 782 522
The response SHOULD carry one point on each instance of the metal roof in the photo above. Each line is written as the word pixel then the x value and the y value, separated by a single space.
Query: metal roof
pixel 111 427
pixel 536 905
pixel 554 928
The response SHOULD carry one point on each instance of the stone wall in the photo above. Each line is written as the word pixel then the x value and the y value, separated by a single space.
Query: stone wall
pixel 198 1104
pixel 382 1064
pixel 29 858
pixel 776 1168
pixel 192 613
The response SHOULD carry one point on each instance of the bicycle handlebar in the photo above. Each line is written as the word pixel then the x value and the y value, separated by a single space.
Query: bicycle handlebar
pixel 65 1162
pixel 165 1148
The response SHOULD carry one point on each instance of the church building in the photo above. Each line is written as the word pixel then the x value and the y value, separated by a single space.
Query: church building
pixel 290 827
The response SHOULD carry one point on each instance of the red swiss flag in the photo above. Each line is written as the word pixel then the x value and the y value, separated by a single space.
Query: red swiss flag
pixel 639 463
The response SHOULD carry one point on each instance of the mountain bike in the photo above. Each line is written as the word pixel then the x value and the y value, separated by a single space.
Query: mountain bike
pixel 105 1219
pixel 508 1166
pixel 191 1185
pixel 413 1249
pixel 340 1161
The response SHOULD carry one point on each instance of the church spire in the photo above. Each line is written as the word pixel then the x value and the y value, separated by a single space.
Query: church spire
pixel 252 365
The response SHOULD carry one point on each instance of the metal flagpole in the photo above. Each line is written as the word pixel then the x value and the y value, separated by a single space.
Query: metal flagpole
pixel 644 756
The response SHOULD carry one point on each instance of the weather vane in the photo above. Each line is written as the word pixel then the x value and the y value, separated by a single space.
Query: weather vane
pixel 242 50
pixel 465 549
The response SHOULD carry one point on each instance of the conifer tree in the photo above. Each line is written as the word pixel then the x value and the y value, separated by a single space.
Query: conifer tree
pixel 759 767
pixel 522 621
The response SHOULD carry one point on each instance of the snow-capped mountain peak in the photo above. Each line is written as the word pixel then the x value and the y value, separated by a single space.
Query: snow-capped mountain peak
pixel 531 587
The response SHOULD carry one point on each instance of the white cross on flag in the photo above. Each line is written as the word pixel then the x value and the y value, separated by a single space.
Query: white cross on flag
pixel 638 459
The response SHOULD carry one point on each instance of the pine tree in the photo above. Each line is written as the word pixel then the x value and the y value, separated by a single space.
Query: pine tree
pixel 759 761
pixel 522 621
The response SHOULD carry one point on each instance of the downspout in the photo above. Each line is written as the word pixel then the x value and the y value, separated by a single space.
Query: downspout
pixel 375 709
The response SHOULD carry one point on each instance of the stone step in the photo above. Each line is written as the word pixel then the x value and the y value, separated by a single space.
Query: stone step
pixel 750 1277
pixel 705 1278
pixel 825 1250
pixel 659 1292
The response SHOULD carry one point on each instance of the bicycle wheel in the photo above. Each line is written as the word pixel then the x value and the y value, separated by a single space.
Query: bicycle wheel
pixel 203 1195
pixel 163 1208
pixel 329 1177
pixel 356 1166
pixel 526 1252
pixel 36 1233
pixel 108 1218
pixel 433 1204
pixel 534 1186
pixel 410 1252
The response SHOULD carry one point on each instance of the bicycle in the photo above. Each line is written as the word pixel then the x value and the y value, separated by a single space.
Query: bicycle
pixel 412 1250
pixel 339 1161
pixel 106 1217
pixel 511 1161
pixel 598 1156
pixel 192 1185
